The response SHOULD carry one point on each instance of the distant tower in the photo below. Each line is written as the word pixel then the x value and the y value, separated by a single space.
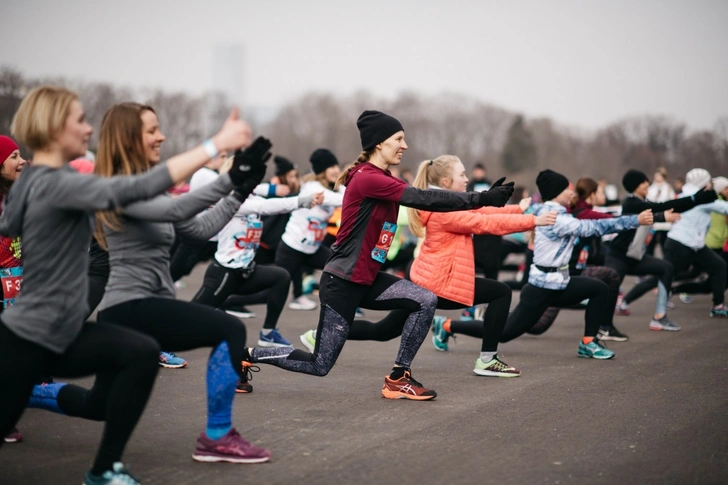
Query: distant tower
pixel 227 71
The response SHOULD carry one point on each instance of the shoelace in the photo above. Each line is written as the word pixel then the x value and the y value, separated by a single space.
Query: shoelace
pixel 598 340
pixel 499 366
pixel 248 372
pixel 121 475
pixel 412 380
pixel 170 355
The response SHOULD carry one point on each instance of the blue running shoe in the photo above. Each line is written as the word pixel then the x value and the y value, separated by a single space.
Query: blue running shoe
pixel 440 336
pixel 273 339
pixel 171 361
pixel 468 314
pixel 594 350
pixel 118 475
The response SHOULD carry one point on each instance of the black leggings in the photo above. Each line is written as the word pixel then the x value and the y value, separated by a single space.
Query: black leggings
pixel 124 361
pixel 497 294
pixel 534 302
pixel 339 301
pixel 710 285
pixel 268 283
pixel 647 266
pixel 187 254
pixel 180 325
pixel 96 289
pixel 293 261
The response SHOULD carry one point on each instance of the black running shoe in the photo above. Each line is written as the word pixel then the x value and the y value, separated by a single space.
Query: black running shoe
pixel 612 334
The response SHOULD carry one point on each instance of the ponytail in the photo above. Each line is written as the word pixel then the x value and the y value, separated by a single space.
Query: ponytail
pixel 363 158
pixel 430 172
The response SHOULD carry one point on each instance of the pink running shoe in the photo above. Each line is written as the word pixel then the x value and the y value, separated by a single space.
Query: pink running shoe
pixel 231 448
pixel 14 436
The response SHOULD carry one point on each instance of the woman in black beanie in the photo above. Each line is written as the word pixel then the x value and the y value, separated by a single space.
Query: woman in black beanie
pixel 352 276
pixel 627 251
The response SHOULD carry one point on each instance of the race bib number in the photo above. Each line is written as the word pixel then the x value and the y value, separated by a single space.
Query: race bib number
pixel 379 253
pixel 317 228
pixel 250 239
pixel 11 279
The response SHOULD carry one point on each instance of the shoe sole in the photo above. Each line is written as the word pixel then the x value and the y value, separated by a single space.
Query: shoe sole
pixel 613 339
pixel 263 343
pixel 622 314
pixel 296 307
pixel 664 329
pixel 173 366
pixel 218 459
pixel 243 391
pixel 240 314
pixel 306 343
pixel 400 395
pixel 490 373
pixel 589 356
pixel 12 440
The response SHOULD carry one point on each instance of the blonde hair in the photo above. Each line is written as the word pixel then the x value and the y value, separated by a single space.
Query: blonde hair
pixel 362 158
pixel 430 172
pixel 41 115
pixel 121 152
pixel 320 178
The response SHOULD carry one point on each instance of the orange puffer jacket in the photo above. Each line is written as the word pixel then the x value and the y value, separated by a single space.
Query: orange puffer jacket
pixel 446 264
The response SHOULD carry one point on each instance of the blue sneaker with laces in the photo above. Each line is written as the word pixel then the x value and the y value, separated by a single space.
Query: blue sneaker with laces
pixel 118 475
pixel 273 339
pixel 439 335
pixel 171 361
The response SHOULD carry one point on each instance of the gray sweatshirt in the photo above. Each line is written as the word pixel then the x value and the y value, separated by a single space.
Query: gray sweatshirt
pixel 52 211
pixel 139 252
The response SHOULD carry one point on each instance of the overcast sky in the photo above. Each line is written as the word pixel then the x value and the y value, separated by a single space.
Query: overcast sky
pixel 582 63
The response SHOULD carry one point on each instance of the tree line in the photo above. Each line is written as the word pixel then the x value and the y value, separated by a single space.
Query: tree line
pixel 507 143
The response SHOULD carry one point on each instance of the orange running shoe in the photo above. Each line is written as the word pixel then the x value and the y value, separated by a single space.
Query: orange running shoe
pixel 406 387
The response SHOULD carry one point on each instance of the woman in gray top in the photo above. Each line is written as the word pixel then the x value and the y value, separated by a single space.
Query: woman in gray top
pixel 51 208
pixel 140 292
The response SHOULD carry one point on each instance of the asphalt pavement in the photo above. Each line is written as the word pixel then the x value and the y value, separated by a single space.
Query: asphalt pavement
pixel 655 414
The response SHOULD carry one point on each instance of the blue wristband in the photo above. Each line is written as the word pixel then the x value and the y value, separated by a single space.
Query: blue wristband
pixel 271 190
pixel 210 148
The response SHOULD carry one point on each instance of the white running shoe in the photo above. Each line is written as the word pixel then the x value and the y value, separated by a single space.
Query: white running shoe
pixel 302 303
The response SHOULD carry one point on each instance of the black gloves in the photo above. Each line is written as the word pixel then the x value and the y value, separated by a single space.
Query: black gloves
pixel 498 195
pixel 704 196
pixel 249 167
pixel 250 160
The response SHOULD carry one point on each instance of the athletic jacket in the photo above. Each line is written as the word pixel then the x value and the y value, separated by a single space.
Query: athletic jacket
pixel 306 228
pixel 240 238
pixel 693 225
pixel 446 263
pixel 633 244
pixel 369 216
pixel 717 236
pixel 139 252
pixel 52 211
pixel 553 245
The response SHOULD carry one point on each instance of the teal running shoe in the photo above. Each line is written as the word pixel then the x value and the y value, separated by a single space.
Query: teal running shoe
pixel 118 475
pixel 171 361
pixel 594 350
pixel 468 314
pixel 440 336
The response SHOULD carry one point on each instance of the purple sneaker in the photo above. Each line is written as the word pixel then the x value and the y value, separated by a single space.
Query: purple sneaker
pixel 231 448
pixel 14 436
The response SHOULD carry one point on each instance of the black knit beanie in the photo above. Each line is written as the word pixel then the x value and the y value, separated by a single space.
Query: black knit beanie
pixel 632 179
pixel 283 165
pixel 322 159
pixel 375 127
pixel 550 184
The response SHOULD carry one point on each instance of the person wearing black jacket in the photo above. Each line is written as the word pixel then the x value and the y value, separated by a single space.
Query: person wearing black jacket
pixel 627 253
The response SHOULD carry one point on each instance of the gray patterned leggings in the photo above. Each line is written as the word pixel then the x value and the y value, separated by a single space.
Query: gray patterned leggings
pixel 339 301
